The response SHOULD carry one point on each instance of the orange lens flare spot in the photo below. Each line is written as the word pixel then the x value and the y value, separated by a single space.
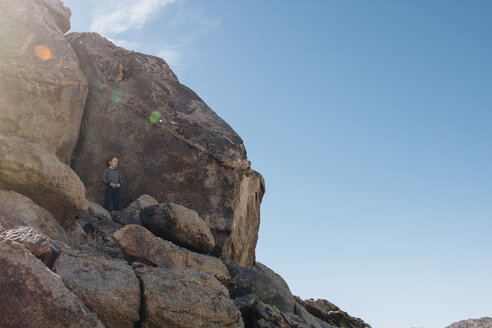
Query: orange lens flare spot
pixel 43 52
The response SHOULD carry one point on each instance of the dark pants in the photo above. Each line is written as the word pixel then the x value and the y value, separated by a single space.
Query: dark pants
pixel 112 195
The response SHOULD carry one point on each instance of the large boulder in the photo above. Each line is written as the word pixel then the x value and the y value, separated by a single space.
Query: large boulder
pixel 18 208
pixel 189 156
pixel 108 287
pixel 42 90
pixel 245 281
pixel 35 297
pixel 31 171
pixel 330 313
pixel 139 244
pixel 180 225
pixel 131 213
pixel 183 298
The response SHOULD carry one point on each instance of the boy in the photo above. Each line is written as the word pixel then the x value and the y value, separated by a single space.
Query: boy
pixel 112 179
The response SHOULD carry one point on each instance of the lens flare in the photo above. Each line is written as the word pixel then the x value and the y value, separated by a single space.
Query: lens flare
pixel 43 52
pixel 117 96
pixel 155 117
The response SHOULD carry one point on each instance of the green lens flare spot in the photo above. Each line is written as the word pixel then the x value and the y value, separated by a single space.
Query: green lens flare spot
pixel 155 117
pixel 117 96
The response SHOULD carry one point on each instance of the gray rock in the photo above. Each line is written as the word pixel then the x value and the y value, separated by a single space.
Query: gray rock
pixel 246 281
pixel 272 274
pixel 180 225
pixel 98 211
pixel 192 157
pixel 131 213
pixel 108 287
pixel 35 297
pixel 139 244
pixel 183 298
pixel 35 242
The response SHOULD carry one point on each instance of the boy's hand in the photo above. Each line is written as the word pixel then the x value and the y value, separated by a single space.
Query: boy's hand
pixel 118 185
pixel 112 185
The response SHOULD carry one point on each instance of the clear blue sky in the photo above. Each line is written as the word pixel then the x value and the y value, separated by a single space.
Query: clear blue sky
pixel 371 122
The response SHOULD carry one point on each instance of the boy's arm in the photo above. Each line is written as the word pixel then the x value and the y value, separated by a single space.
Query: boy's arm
pixel 120 179
pixel 105 177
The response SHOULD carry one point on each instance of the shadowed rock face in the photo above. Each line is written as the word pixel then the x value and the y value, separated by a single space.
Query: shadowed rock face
pixel 42 90
pixel 192 157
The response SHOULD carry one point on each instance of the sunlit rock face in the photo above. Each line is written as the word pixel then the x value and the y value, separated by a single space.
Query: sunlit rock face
pixel 42 90
pixel 171 145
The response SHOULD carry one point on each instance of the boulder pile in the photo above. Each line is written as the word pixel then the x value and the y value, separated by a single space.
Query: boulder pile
pixel 181 253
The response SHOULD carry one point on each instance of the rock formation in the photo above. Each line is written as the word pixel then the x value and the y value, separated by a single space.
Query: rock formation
pixel 182 253
pixel 192 158
pixel 42 90
pixel 473 323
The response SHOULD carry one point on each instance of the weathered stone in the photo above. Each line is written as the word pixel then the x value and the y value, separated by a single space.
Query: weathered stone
pixel 335 317
pixel 95 225
pixel 35 242
pixel 131 213
pixel 108 287
pixel 183 298
pixel 17 207
pixel 77 233
pixel 484 322
pixel 35 297
pixel 246 281
pixel 42 90
pixel 98 211
pixel 28 170
pixel 139 244
pixel 272 274
pixel 192 157
pixel 180 225
pixel 8 221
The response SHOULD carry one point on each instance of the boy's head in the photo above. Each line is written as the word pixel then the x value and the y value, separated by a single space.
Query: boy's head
pixel 113 162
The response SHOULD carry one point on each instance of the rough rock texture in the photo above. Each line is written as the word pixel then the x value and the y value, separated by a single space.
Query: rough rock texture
pixel 473 323
pixel 246 281
pixel 28 170
pixel 98 211
pixel 139 244
pixel 131 213
pixel 20 208
pixel 192 157
pixel 257 314
pixel 8 221
pixel 108 287
pixel 272 274
pixel 183 298
pixel 35 242
pixel 180 225
pixel 330 313
pixel 33 296
pixel 42 90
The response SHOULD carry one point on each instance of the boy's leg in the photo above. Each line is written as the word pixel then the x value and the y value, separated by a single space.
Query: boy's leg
pixel 107 197
pixel 116 199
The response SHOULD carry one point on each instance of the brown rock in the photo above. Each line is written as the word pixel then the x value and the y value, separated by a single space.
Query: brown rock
pixel 33 296
pixel 28 170
pixel 180 225
pixel 108 287
pixel 484 322
pixel 192 157
pixel 335 317
pixel 18 207
pixel 183 298
pixel 35 242
pixel 141 245
pixel 42 90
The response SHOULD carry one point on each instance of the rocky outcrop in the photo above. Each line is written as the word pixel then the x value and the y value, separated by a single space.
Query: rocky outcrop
pixel 131 213
pixel 188 156
pixel 473 323
pixel 108 287
pixel 18 208
pixel 33 296
pixel 183 298
pixel 246 281
pixel 42 90
pixel 28 170
pixel 330 313
pixel 35 242
pixel 140 245
pixel 180 225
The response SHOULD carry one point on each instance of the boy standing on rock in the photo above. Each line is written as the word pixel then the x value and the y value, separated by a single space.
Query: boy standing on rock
pixel 112 179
